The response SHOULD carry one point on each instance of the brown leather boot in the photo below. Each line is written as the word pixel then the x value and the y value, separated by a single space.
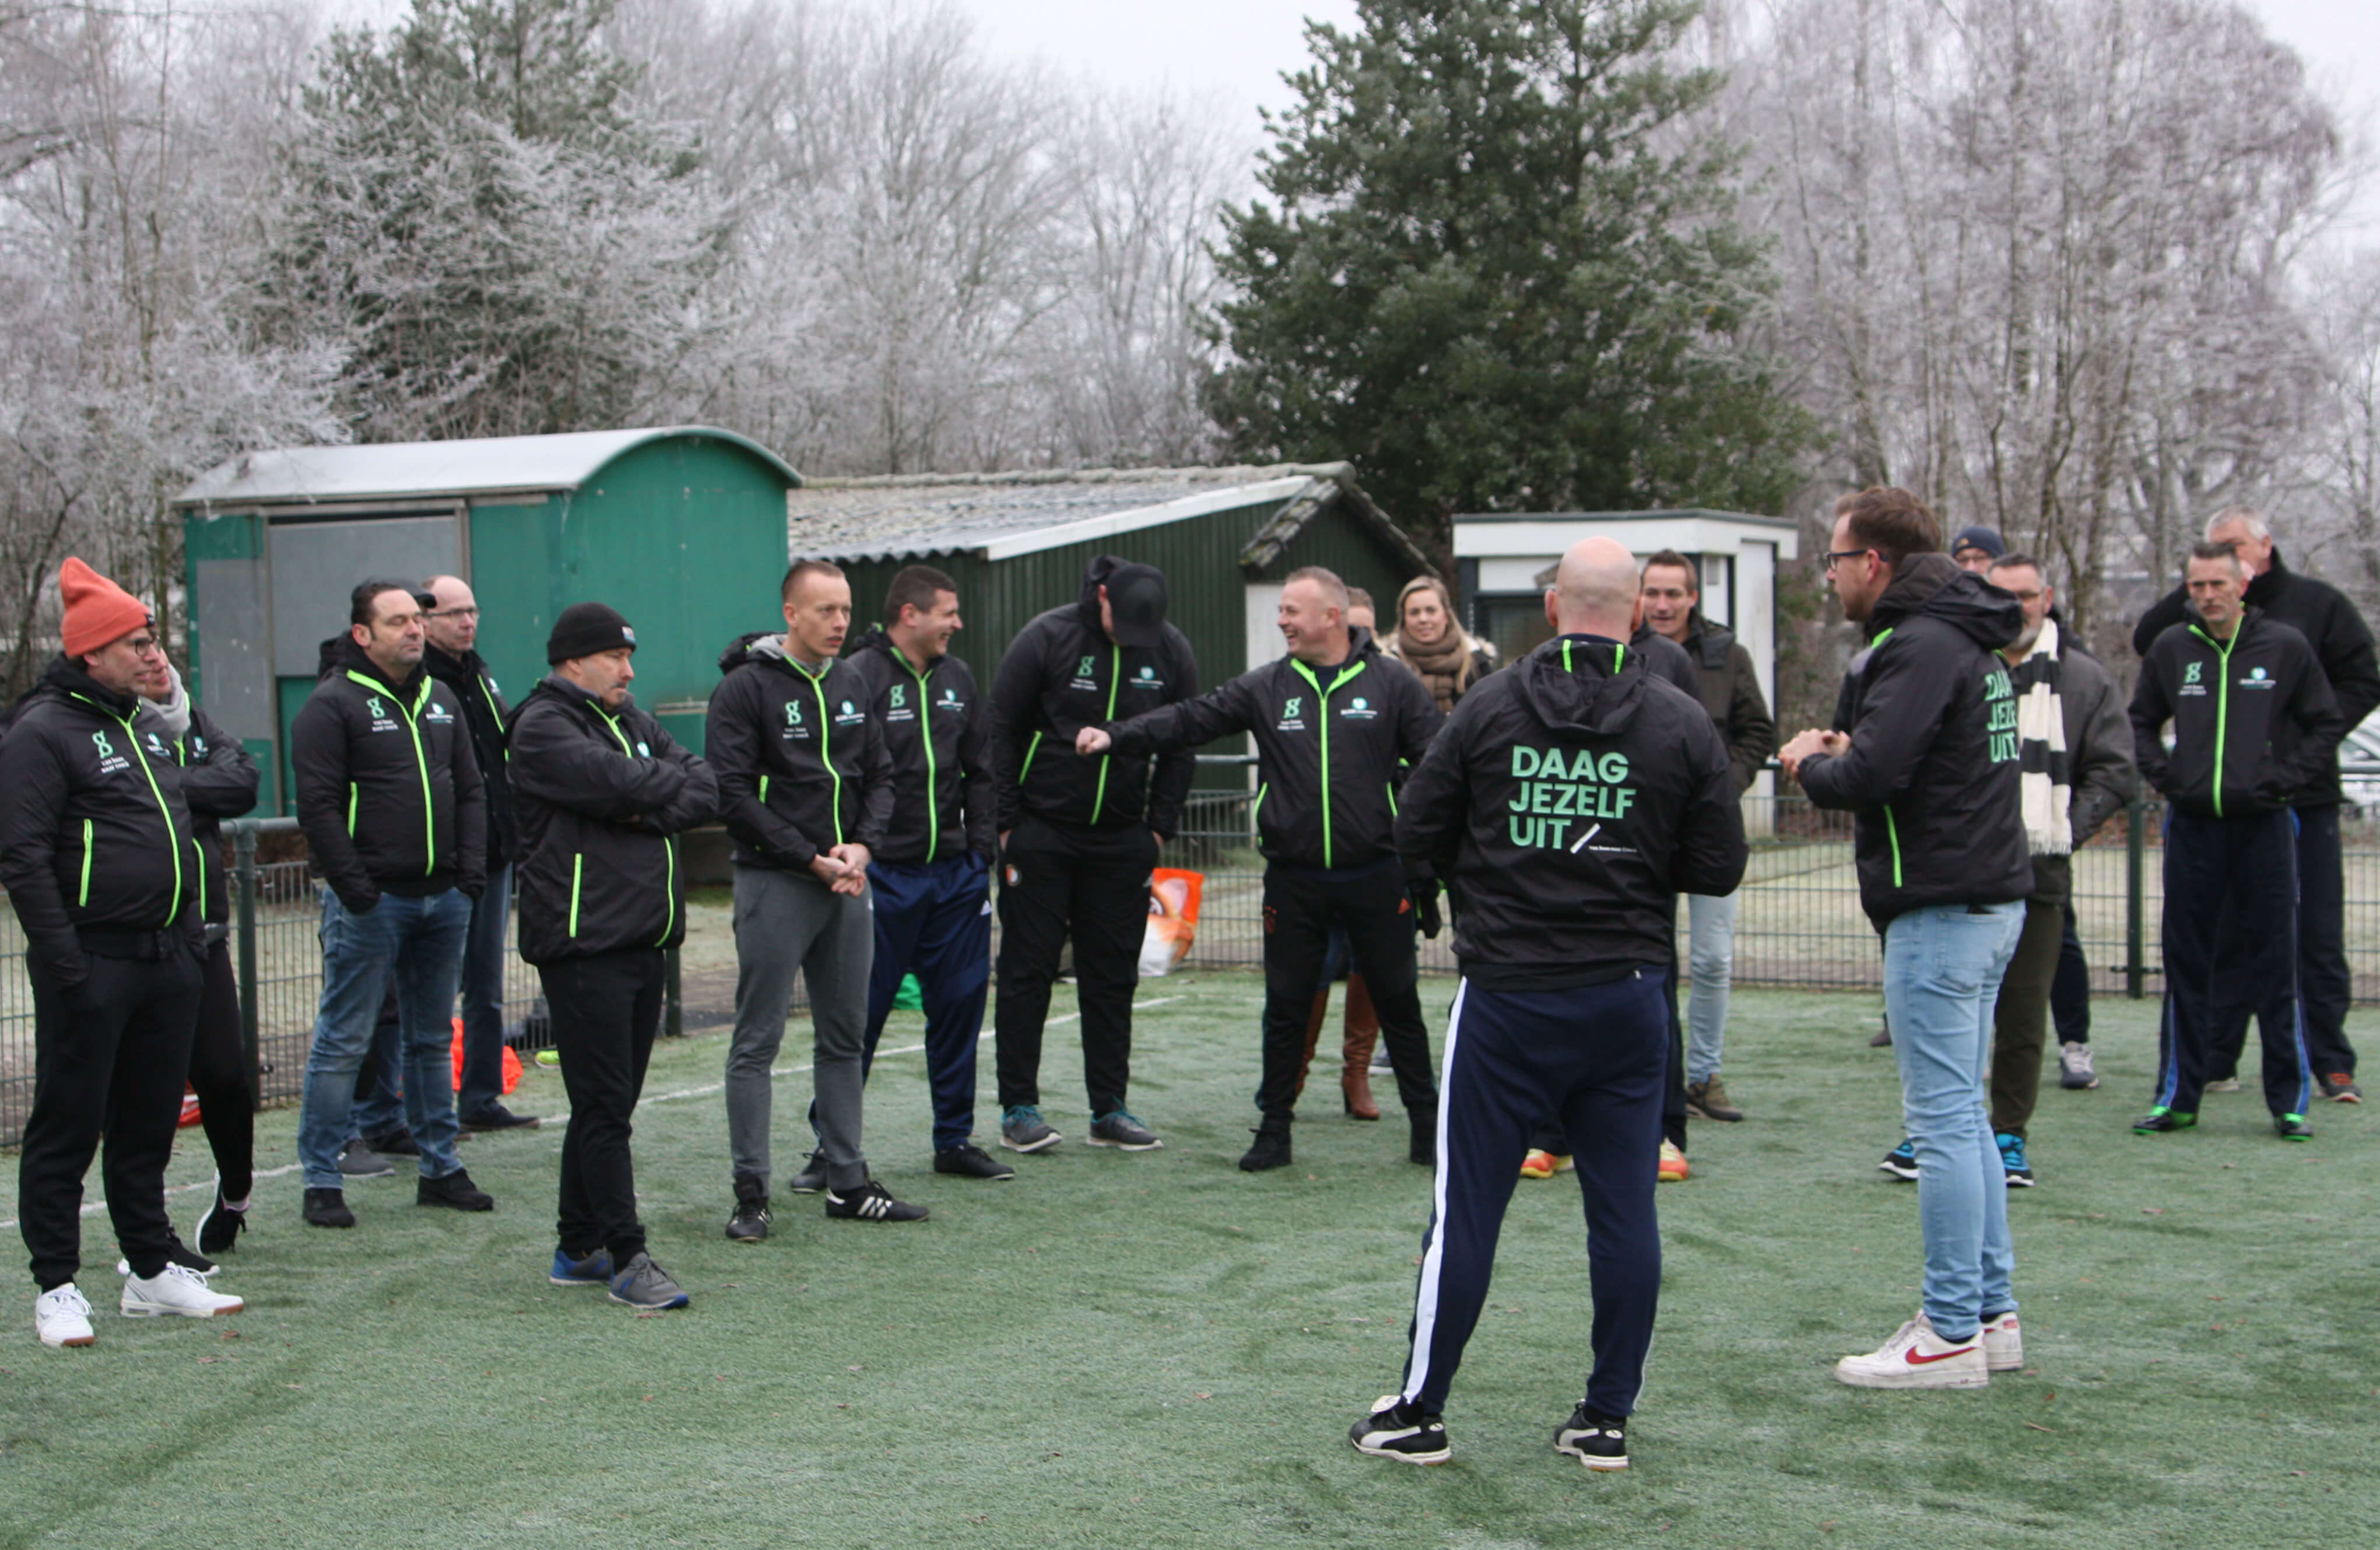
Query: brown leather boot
pixel 1313 1037
pixel 1363 1032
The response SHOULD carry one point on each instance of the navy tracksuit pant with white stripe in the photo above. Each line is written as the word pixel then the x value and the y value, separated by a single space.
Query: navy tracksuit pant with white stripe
pixel 2248 866
pixel 1594 1057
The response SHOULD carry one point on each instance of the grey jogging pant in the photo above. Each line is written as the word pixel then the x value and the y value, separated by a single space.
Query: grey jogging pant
pixel 784 921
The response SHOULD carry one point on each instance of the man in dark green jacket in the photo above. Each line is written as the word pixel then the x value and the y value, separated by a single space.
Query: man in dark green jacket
pixel 603 794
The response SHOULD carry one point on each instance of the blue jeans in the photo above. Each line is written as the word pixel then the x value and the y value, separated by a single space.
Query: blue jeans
pixel 1710 968
pixel 419 944
pixel 1942 969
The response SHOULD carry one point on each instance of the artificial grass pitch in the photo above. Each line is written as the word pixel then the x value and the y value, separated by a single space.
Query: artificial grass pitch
pixel 1157 1350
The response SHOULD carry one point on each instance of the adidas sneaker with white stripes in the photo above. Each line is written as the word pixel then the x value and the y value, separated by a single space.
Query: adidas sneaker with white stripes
pixel 872 1203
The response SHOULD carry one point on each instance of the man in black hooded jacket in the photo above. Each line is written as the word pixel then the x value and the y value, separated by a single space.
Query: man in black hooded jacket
pixel 1927 751
pixel 1079 835
pixel 1572 798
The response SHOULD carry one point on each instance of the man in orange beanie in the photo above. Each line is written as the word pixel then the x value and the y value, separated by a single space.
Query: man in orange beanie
pixel 102 866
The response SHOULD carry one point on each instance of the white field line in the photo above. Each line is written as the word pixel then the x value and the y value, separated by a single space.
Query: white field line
pixel 100 1206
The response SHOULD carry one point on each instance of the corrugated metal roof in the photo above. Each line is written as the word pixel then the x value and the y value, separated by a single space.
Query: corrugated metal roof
pixel 1002 515
pixel 391 471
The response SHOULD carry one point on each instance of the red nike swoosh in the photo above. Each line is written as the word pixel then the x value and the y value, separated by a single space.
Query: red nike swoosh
pixel 1917 1360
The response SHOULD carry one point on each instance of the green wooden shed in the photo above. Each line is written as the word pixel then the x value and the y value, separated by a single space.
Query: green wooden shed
pixel 1016 545
pixel 681 528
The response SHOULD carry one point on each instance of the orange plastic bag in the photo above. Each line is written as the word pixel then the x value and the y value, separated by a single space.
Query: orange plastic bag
pixel 1173 919
pixel 512 1063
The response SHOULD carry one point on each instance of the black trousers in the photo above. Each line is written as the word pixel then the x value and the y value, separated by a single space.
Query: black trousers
pixel 2326 989
pixel 1092 885
pixel 2069 989
pixel 1370 903
pixel 108 1059
pixel 2243 869
pixel 219 1076
pixel 606 1008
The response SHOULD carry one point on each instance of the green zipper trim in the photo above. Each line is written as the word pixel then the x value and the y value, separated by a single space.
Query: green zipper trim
pixel 1030 749
pixel 669 846
pixel 1391 787
pixel 163 810
pixel 578 864
pixel 1892 833
pixel 1115 681
pixel 489 694
pixel 2222 702
pixel 351 810
pixel 181 757
pixel 933 794
pixel 826 744
pixel 1258 805
pixel 1322 703
pixel 421 763
pixel 84 902
pixel 764 790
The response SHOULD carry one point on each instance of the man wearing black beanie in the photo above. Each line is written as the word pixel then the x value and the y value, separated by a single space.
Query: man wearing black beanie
pixel 603 793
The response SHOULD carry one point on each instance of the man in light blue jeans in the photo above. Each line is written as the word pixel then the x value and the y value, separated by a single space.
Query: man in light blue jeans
pixel 1925 752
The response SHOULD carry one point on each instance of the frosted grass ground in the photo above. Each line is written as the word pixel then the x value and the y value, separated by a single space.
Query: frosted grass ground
pixel 1160 1351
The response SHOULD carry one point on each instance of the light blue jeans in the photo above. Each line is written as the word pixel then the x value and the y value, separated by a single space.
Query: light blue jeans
pixel 1942 969
pixel 1710 968
pixel 420 943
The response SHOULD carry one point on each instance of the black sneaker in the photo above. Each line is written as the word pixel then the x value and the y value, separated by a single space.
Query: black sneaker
pixel 328 1208
pixel 1021 1128
pixel 1270 1150
pixel 641 1283
pixel 812 1179
pixel 2162 1120
pixel 1902 1161
pixel 2339 1088
pixel 455 1189
pixel 1395 1430
pixel 872 1203
pixel 967 1160
pixel 1600 1442
pixel 2292 1127
pixel 749 1224
pixel 497 1118
pixel 357 1160
pixel 220 1228
pixel 399 1143
pixel 1123 1130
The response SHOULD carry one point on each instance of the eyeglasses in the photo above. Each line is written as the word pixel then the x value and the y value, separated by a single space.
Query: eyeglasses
pixel 1836 555
pixel 470 613
pixel 151 647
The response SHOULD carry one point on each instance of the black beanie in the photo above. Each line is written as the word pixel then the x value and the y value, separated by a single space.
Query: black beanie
pixel 586 629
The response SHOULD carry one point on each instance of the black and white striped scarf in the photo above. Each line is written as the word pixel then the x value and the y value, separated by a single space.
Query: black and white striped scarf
pixel 2047 785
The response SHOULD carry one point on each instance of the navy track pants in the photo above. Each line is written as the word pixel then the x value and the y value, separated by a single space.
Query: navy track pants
pixel 2245 870
pixel 934 920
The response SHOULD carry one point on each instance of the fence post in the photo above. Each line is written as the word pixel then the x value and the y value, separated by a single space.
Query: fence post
pixel 673 1003
pixel 2135 847
pixel 244 890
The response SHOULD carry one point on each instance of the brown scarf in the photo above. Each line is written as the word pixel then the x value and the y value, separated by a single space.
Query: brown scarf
pixel 1445 668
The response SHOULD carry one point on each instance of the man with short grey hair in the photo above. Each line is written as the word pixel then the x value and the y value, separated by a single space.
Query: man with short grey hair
pixel 2342 643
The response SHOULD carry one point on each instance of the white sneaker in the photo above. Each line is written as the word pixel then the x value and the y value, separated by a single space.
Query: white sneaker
pixel 2075 1069
pixel 2003 1343
pixel 62 1317
pixel 2229 1084
pixel 174 1290
pixel 1918 1357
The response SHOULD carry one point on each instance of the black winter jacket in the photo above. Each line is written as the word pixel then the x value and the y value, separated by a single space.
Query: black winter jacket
pixel 1572 799
pixel 2332 626
pixel 1932 770
pixel 1357 724
pixel 801 763
pixel 1729 687
pixel 94 835
pixel 937 731
pixel 2099 748
pixel 1664 659
pixel 219 781
pixel 2254 720
pixel 486 713
pixel 603 796
pixel 388 790
pixel 1061 674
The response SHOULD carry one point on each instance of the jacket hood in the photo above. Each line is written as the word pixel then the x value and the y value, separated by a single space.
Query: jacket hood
pixel 761 645
pixel 67 677
pixel 554 685
pixel 1930 586
pixel 875 640
pixel 449 668
pixel 1585 697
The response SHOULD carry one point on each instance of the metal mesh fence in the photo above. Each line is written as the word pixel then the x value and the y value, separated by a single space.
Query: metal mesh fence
pixel 1798 924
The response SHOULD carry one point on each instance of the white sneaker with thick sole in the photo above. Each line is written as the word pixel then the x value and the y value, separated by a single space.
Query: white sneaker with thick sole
pixel 1918 1357
pixel 2003 1343
pixel 174 1290
pixel 62 1318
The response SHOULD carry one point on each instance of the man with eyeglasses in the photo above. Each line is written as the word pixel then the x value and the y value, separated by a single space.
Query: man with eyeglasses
pixel 390 798
pixel 105 872
pixel 451 631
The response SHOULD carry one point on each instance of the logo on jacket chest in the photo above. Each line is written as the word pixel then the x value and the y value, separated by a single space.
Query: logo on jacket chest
pixel 439 716
pixel 2190 676
pixel 1358 709
pixel 109 760
pixel 2258 678
pixel 1292 715
pixel 797 725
